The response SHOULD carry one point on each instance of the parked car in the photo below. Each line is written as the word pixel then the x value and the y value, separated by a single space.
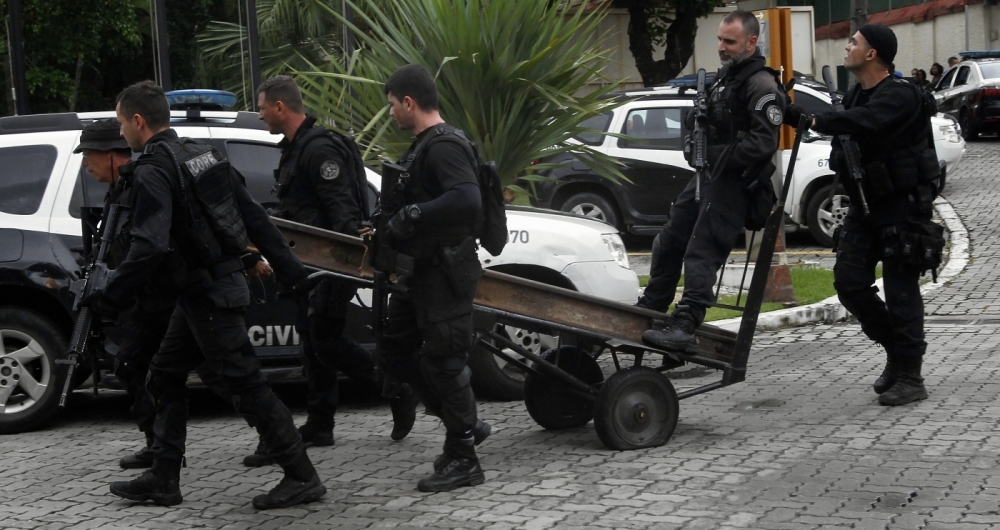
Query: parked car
pixel 653 161
pixel 43 188
pixel 970 93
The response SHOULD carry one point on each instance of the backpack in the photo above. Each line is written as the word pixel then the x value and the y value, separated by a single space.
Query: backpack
pixel 351 154
pixel 493 234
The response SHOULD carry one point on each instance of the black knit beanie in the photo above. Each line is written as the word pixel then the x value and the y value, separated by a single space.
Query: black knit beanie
pixel 882 40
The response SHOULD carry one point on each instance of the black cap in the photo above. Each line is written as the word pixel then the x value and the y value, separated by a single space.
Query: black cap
pixel 102 135
pixel 882 40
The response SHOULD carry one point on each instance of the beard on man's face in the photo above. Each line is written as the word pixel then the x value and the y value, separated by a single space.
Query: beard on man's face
pixel 734 59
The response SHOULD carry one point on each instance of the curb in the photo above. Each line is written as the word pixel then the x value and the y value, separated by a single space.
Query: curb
pixel 831 310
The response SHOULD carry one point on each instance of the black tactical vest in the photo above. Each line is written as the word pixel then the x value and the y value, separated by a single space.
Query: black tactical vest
pixel 290 207
pixel 208 227
pixel 120 194
pixel 728 102
pixel 905 152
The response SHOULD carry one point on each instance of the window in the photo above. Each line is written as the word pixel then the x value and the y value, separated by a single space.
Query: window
pixel 87 192
pixel 599 123
pixel 811 104
pixel 990 70
pixel 963 76
pixel 24 174
pixel 653 129
pixel 945 82
pixel 256 162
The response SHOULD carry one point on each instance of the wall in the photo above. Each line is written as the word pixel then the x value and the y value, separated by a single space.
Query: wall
pixel 922 44
pixel 614 29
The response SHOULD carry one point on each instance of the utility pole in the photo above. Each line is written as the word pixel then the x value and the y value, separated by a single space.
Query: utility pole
pixel 161 44
pixel 15 46
pixel 253 44
pixel 859 17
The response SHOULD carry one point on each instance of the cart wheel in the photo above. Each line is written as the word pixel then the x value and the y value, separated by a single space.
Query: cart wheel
pixel 636 408
pixel 550 402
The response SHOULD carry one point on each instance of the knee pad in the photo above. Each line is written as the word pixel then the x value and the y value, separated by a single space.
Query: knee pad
pixel 446 374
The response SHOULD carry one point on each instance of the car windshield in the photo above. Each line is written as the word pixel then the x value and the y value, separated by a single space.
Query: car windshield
pixel 990 70
pixel 600 123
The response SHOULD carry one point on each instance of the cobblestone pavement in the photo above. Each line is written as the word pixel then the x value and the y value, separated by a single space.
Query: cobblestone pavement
pixel 801 444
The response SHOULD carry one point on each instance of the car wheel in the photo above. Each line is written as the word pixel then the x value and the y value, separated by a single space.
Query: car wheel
pixel 496 379
pixel 965 122
pixel 824 215
pixel 592 205
pixel 30 379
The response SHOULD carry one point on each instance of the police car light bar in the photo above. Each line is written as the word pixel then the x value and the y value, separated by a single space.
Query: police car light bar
pixel 201 99
pixel 980 54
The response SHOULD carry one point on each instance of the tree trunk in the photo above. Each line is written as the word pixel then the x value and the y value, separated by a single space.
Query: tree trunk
pixel 680 42
pixel 76 82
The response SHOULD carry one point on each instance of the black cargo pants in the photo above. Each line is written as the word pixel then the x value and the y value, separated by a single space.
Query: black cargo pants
pixel 199 325
pixel 326 349
pixel 898 322
pixel 699 236
pixel 429 333
pixel 143 330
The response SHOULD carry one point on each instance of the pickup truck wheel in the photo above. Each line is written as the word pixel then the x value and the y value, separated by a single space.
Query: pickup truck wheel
pixel 496 379
pixel 593 206
pixel 824 215
pixel 30 379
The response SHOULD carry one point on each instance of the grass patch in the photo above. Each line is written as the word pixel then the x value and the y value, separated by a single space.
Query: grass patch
pixel 811 285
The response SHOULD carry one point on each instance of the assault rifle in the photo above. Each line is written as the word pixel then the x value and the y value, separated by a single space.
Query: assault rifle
pixel 699 136
pixel 852 156
pixel 87 334
pixel 384 259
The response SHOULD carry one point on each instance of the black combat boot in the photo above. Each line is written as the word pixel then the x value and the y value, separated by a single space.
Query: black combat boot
pixel 142 459
pixel 479 433
pixel 460 466
pixel 889 374
pixel 159 484
pixel 259 458
pixel 300 485
pixel 677 335
pixel 318 430
pixel 909 385
pixel 404 412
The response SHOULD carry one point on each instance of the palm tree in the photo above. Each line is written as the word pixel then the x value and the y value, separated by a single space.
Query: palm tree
pixel 293 35
pixel 517 76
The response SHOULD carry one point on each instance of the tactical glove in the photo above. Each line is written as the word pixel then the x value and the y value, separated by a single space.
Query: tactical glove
pixel 401 227
pixel 793 113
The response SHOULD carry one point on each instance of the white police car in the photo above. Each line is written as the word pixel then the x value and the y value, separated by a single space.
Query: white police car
pixel 43 188
pixel 653 161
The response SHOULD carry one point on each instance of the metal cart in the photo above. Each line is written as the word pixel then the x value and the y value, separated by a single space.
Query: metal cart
pixel 637 406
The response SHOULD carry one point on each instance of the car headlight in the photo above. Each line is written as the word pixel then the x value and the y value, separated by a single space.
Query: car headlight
pixel 951 133
pixel 617 249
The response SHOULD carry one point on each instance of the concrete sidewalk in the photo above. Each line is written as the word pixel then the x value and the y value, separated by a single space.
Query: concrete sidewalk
pixel 831 310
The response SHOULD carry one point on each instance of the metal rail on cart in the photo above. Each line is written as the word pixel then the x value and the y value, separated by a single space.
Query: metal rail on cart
pixel 635 407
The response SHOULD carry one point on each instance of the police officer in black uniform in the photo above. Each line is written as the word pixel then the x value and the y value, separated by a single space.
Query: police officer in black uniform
pixel 105 156
pixel 746 105
pixel 429 330
pixel 182 200
pixel 321 183
pixel 890 120
pixel 104 151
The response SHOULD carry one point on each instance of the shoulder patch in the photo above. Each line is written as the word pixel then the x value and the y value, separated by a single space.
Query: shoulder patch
pixel 329 170
pixel 774 115
pixel 763 101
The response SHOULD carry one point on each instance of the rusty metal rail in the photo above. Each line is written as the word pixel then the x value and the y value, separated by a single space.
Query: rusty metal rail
pixel 551 306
